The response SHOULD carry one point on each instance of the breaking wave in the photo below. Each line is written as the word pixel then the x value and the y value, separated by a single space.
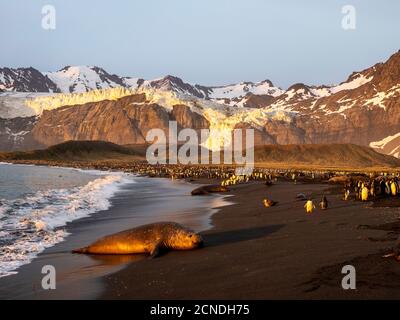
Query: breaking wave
pixel 30 224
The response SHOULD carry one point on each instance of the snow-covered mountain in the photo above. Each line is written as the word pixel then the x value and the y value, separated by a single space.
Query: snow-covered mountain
pixel 364 109
pixel 25 80
pixel 79 79
pixel 174 84
pixel 242 89
pixel 83 79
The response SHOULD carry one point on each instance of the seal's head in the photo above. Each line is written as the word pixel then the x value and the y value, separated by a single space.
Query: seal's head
pixel 184 239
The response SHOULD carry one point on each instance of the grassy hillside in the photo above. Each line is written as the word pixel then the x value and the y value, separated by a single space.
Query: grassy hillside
pixel 324 155
pixel 279 156
pixel 78 151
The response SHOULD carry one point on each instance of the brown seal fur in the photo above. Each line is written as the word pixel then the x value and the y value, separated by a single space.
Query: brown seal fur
pixel 150 238
pixel 269 203
pixel 213 188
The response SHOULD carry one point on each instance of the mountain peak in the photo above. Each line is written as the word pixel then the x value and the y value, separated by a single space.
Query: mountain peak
pixel 172 78
pixel 175 84
pixel 267 81
pixel 83 78
pixel 25 79
pixel 298 86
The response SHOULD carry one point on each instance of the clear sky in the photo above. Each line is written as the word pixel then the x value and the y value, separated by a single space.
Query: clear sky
pixel 204 41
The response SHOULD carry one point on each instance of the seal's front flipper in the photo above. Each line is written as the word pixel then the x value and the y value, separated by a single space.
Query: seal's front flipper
pixel 155 252
pixel 81 250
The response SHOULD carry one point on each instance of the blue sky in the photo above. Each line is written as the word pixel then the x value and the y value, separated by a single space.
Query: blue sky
pixel 208 42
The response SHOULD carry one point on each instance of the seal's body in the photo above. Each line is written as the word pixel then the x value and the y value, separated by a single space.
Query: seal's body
pixel 269 203
pixel 150 238
pixel 214 188
pixel 301 197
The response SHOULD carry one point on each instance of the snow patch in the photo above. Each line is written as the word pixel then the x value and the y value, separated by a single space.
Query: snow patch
pixel 358 81
pixel 243 88
pixel 382 143
pixel 379 98
pixel 80 79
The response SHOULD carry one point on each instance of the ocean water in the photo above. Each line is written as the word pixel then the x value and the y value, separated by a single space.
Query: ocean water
pixel 37 202
pixel 45 212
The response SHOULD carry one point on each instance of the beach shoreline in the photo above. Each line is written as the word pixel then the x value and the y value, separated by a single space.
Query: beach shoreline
pixel 85 271
pixel 253 252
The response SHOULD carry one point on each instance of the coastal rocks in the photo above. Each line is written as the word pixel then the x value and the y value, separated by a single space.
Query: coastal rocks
pixel 209 189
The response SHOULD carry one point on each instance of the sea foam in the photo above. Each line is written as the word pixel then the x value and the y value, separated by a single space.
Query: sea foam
pixel 35 222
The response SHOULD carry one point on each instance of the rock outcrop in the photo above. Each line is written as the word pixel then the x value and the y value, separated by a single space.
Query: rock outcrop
pixel 124 121
pixel 363 110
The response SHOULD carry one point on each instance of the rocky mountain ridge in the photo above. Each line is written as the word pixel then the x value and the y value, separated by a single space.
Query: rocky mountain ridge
pixel 364 110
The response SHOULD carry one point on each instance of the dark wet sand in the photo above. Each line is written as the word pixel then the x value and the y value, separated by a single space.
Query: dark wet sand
pixel 251 252
pixel 80 276
pixel 254 252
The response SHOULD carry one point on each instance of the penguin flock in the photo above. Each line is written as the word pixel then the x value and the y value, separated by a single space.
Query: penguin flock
pixel 357 185
pixel 382 186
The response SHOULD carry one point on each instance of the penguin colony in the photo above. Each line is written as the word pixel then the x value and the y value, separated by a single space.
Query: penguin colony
pixel 357 185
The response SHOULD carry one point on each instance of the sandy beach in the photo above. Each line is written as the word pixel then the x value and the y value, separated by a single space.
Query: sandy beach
pixel 80 276
pixel 200 158
pixel 254 252
pixel 250 252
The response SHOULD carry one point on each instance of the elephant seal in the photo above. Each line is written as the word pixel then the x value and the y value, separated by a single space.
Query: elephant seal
pixel 269 203
pixel 339 179
pixel 150 238
pixel 301 197
pixel 213 188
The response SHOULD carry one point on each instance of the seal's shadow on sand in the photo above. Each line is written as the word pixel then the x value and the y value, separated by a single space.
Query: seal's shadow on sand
pixel 232 236
pixel 116 259
pixel 210 240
